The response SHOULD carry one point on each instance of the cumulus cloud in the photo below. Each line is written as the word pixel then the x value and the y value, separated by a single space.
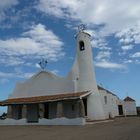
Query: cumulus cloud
pixel 97 12
pixel 35 43
pixel 97 40
pixel 109 65
pixel 7 4
pixel 59 8
pixel 129 61
pixel 127 47
pixel 4 6
pixel 103 55
pixel 137 61
pixel 104 15
pixel 11 60
pixel 8 75
pixel 55 71
pixel 130 35
pixel 4 81
pixel 135 55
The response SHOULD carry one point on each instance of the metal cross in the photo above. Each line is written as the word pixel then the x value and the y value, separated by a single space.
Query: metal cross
pixel 43 63
pixel 81 27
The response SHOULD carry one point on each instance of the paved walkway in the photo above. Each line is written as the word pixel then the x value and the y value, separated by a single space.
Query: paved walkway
pixel 119 129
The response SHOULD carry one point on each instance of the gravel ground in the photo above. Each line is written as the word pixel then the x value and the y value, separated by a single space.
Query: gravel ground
pixel 119 129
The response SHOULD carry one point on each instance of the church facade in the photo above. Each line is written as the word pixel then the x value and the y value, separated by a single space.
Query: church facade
pixel 47 99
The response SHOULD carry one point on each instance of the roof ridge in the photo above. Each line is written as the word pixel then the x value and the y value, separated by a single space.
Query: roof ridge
pixel 127 98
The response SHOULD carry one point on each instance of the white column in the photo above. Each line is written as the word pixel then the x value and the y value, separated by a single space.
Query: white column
pixel 59 113
pixel 24 111
pixel 81 108
pixel 9 111
pixel 41 110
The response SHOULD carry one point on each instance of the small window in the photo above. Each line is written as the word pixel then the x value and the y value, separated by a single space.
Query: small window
pixel 81 45
pixel 105 99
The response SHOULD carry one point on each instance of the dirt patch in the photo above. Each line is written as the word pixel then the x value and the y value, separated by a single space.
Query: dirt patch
pixel 119 129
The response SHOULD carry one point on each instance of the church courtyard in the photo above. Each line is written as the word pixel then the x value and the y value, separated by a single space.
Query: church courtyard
pixel 119 129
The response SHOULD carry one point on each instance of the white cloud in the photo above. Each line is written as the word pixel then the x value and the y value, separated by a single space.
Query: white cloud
pixel 4 81
pixel 137 38
pixel 126 40
pixel 127 47
pixel 20 74
pixel 103 54
pixel 135 55
pixel 97 40
pixel 55 71
pixel 130 35
pixel 37 65
pixel 109 65
pixel 26 75
pixel 115 15
pixel 59 8
pixel 7 4
pixel 8 75
pixel 17 73
pixel 11 60
pixel 137 61
pixel 128 61
pixel 35 43
pixel 4 6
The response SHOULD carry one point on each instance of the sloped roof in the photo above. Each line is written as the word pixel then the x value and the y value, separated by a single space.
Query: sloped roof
pixel 129 99
pixel 43 72
pixel 48 98
pixel 109 92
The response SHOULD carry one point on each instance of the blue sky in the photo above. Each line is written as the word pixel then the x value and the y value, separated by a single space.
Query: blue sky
pixel 36 29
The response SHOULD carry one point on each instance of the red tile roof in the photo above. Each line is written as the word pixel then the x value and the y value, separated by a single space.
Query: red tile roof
pixel 47 98
pixel 129 99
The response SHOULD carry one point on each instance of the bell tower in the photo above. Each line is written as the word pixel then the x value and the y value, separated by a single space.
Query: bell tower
pixel 87 79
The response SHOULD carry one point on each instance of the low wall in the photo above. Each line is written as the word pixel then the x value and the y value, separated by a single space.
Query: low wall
pixel 56 121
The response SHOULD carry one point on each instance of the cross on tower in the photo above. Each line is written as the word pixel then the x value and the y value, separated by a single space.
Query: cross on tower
pixel 43 63
pixel 81 27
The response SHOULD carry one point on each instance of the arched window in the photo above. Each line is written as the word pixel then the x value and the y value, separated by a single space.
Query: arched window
pixel 81 45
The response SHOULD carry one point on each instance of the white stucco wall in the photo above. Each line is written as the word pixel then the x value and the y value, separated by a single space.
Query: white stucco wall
pixel 43 83
pixel 130 108
pixel 94 107
pixel 115 110
pixel 110 107
pixel 56 121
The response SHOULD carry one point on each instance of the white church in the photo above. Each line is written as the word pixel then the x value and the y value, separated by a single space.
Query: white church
pixel 47 99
